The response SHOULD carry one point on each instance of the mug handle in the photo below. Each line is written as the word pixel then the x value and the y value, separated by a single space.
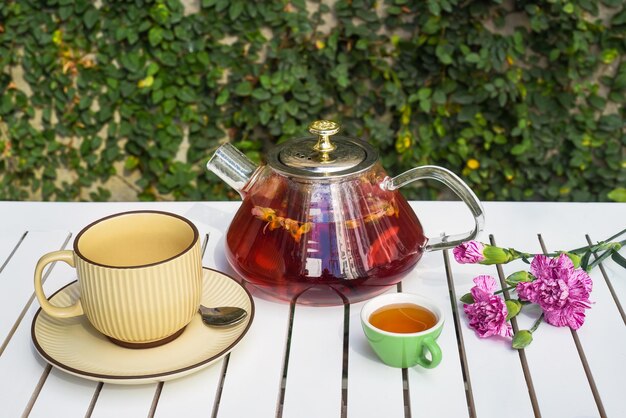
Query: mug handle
pixel 457 185
pixel 56 311
pixel 431 346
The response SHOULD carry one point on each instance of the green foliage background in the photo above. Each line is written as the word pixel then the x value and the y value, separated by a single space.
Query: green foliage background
pixel 522 113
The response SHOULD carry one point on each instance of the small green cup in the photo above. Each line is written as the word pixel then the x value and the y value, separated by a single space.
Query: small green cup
pixel 404 349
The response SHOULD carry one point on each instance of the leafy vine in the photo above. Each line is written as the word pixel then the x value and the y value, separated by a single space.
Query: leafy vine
pixel 523 98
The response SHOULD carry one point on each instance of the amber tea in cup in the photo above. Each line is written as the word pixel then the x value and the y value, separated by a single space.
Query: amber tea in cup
pixel 403 328
pixel 403 318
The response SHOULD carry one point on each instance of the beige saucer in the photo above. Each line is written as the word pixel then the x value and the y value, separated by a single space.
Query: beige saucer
pixel 74 346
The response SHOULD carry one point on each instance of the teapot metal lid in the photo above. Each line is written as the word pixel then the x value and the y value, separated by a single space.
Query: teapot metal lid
pixel 319 157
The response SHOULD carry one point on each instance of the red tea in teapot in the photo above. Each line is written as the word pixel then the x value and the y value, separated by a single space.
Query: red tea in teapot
pixel 323 250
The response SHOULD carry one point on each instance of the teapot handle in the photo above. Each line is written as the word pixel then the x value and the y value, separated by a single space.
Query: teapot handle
pixel 457 185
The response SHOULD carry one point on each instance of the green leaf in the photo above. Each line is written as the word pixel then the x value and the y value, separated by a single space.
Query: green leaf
pixel 584 262
pixel 131 61
pixel 576 260
pixel 222 98
pixel 618 194
pixel 518 277
pixel 155 36
pixel 619 259
pixel 444 53
pixel 91 17
pixel 203 58
pixel 513 308
pixel 597 102
pixel 186 95
pixel 425 105
pixel 424 93
pixel 65 12
pixel 261 94
pixel 157 96
pixel 221 5
pixel 472 58
pixel 131 162
pixel 235 9
pixel 439 97
pixel 169 105
pixel 243 89
pixel 610 123
pixel 522 339
pixel 153 68
pixel 467 298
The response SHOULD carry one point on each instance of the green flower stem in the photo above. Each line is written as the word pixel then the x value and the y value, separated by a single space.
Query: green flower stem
pixel 602 245
pixel 600 259
pixel 536 324
pixel 606 241
pixel 504 290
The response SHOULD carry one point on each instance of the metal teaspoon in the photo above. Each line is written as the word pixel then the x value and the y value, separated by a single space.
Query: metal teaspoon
pixel 222 316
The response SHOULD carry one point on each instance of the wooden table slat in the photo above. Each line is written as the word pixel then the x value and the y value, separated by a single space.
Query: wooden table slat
pixel 20 366
pixel 374 389
pixel 495 369
pixel 255 365
pixel 313 386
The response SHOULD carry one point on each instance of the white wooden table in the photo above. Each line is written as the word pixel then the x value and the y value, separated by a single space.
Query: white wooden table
pixel 301 361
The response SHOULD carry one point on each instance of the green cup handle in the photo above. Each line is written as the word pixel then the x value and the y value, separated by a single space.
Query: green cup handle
pixel 431 346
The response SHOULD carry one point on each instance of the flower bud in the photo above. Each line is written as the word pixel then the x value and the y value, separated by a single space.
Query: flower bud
pixel 496 255
pixel 513 307
pixel 575 259
pixel 520 276
pixel 467 298
pixel 522 339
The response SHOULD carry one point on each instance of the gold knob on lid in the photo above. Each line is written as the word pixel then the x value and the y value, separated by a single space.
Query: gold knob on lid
pixel 324 128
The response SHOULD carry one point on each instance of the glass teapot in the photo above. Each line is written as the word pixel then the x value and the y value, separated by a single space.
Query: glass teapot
pixel 322 224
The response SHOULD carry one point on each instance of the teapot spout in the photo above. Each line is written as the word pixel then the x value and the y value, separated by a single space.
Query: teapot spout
pixel 232 166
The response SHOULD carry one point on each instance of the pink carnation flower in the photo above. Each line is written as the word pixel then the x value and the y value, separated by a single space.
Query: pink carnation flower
pixel 487 315
pixel 560 290
pixel 469 252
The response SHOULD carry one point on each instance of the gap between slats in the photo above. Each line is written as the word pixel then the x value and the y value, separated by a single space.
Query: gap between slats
pixel 37 391
pixel 13 252
pixel 406 393
pixel 283 383
pixel 345 361
pixel 94 399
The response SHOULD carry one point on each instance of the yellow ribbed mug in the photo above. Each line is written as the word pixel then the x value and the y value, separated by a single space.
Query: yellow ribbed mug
pixel 139 274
